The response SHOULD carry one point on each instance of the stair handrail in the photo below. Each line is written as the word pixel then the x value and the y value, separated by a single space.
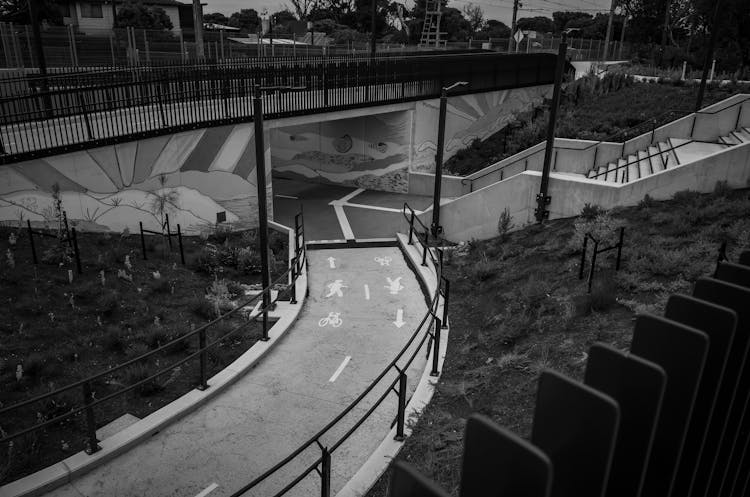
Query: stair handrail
pixel 628 163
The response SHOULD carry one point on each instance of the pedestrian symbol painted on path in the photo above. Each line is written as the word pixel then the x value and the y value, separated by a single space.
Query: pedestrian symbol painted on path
pixel 335 288
pixel 333 319
pixel 394 286
pixel 383 261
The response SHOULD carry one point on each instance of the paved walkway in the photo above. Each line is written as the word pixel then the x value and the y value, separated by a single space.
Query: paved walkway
pixel 342 213
pixel 363 305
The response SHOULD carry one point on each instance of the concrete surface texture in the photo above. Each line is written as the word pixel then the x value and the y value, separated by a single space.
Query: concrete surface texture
pixel 362 307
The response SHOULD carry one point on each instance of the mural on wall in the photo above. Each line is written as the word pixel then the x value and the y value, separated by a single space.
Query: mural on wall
pixel 370 152
pixel 201 173
pixel 469 117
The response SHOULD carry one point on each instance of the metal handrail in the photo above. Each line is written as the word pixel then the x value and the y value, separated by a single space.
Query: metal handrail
pixel 315 439
pixel 660 153
pixel 295 264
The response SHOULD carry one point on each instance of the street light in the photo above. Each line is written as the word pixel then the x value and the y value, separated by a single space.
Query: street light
pixel 435 227
pixel 260 175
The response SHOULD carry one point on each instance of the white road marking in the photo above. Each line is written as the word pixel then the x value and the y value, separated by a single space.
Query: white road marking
pixel 346 229
pixel 351 195
pixel 292 197
pixel 335 288
pixel 208 490
pixel 394 286
pixel 332 262
pixel 399 322
pixel 367 292
pixel 383 261
pixel 340 369
pixel 371 207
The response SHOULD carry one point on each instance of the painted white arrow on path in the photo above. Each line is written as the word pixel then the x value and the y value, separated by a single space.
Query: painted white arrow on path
pixel 399 322
pixel 332 262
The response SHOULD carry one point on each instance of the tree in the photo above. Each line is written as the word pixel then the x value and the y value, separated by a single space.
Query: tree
pixel 303 8
pixel 338 11
pixel 493 29
pixel 455 25
pixel 475 15
pixel 540 24
pixel 246 19
pixel 17 11
pixel 283 17
pixel 563 20
pixel 363 15
pixel 137 15
pixel 216 18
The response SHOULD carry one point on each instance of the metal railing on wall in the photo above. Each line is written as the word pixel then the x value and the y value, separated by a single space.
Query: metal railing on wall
pixel 429 328
pixel 70 111
pixel 200 335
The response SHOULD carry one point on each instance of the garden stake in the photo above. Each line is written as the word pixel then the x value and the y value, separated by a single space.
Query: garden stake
pixel 31 242
pixel 436 348
pixel 143 241
pixel 67 230
pixel 401 414
pixel 76 253
pixel 619 248
pixel 202 346
pixel 593 264
pixel 169 233
pixel 179 240
pixel 583 256
pixel 92 444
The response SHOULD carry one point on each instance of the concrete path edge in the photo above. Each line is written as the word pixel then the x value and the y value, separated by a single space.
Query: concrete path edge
pixel 78 464
pixel 377 464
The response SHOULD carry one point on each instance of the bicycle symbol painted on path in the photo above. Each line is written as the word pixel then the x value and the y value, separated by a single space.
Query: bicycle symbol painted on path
pixel 383 261
pixel 333 319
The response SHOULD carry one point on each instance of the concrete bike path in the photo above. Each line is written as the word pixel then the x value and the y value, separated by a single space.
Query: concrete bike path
pixel 363 305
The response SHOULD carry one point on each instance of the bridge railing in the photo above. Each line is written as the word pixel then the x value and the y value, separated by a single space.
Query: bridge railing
pixel 59 113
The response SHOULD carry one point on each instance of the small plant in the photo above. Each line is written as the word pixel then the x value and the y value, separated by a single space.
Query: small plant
pixel 722 189
pixel 505 223
pixel 647 202
pixel 248 260
pixel 124 275
pixel 138 373
pixel 218 295
pixel 10 259
pixel 591 211
pixel 164 199
pixel 12 239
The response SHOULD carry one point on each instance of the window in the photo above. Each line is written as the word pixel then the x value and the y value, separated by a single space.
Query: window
pixel 93 10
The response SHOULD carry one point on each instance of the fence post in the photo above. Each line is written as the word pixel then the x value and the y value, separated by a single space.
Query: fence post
pixel 619 248
pixel 85 114
pixel 436 348
pixel 169 232
pixel 446 299
pixel 325 474
pixel 593 264
pixel 75 251
pixel 31 241
pixel 265 304
pixel 411 227
pixel 92 444
pixel 401 413
pixel 293 296
pixel 202 384
pixel 179 240
pixel 583 256
pixel 143 241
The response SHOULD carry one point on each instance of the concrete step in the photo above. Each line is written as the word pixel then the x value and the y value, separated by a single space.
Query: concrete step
pixel 667 156
pixel 634 171
pixel 657 163
pixel 611 172
pixel 591 173
pixel 729 139
pixel 643 165
pixel 601 173
pixel 622 170
pixel 743 135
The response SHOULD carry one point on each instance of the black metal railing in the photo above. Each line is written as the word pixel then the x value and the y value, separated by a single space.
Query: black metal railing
pixel 294 270
pixel 595 252
pixel 429 328
pixel 63 112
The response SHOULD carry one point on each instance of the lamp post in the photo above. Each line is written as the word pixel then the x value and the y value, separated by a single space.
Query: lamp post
pixel 709 56
pixel 542 199
pixel 435 226
pixel 260 176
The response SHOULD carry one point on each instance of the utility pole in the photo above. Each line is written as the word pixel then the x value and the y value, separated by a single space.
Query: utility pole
pixel 435 227
pixel 260 179
pixel 542 199
pixel 511 42
pixel 709 56
pixel 373 47
pixel 609 30
pixel 198 24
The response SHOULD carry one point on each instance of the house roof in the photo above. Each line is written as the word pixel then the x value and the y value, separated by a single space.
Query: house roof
pixel 160 3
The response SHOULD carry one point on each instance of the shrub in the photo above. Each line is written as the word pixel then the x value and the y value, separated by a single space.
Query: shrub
pixel 685 197
pixel 722 189
pixel 113 340
pixel 204 309
pixel 249 238
pixel 139 372
pixel 235 289
pixel 218 295
pixel 248 260
pixel 207 260
pixel 484 270
pixel 590 211
pixel 604 228
pixel 55 255
pixel 603 291
pixel 505 223
pixel 155 337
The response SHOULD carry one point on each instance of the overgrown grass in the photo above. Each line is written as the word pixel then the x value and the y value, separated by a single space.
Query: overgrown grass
pixel 517 307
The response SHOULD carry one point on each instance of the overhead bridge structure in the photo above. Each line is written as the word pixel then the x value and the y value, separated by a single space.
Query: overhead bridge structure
pixel 117 136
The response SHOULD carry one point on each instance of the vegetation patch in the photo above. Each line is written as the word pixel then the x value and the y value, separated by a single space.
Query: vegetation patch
pixel 58 327
pixel 518 307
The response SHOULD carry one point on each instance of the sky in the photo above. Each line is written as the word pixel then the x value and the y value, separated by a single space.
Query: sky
pixel 502 10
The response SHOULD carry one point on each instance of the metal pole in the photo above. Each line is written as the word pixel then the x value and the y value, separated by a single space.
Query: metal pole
pixel 260 170
pixel 542 199
pixel 609 30
pixel 373 47
pixel 198 26
pixel 622 33
pixel 41 61
pixel 436 230
pixel 512 40
pixel 325 473
pixel 436 349
pixel 709 56
pixel 400 414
